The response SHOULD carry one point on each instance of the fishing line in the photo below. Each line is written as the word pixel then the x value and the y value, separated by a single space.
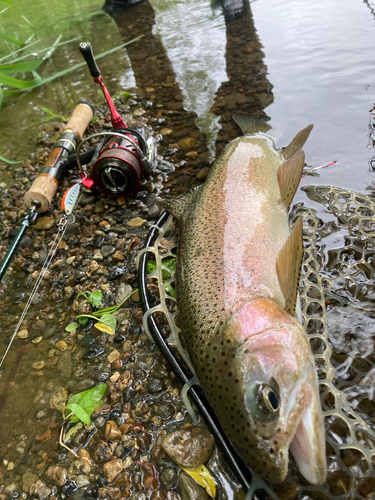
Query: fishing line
pixel 62 225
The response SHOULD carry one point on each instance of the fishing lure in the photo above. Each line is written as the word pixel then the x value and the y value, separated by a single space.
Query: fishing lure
pixel 71 198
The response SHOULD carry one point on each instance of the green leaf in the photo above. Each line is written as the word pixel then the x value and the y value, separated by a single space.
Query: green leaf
pixel 85 294
pixel 96 299
pixel 9 3
pixel 109 319
pixel 71 327
pixel 72 431
pixel 5 160
pixel 1 102
pixel 22 67
pixel 20 84
pixel 88 397
pixel 170 290
pixel 80 413
pixel 11 39
pixel 82 320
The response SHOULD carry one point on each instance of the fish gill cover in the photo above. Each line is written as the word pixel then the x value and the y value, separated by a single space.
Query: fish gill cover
pixel 337 293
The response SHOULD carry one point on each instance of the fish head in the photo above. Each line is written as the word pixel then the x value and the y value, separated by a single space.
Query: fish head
pixel 277 397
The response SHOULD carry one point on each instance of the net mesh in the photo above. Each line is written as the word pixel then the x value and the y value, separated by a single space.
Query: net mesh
pixel 337 297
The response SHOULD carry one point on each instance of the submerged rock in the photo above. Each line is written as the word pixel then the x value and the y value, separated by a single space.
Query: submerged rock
pixel 190 489
pixel 189 447
pixel 57 475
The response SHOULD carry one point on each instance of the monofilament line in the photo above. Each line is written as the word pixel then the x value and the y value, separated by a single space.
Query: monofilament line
pixel 60 233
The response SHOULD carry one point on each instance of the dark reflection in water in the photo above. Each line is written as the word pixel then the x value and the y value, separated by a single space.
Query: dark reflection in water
pixel 248 90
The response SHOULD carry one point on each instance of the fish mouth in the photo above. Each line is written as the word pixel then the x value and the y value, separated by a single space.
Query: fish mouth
pixel 308 444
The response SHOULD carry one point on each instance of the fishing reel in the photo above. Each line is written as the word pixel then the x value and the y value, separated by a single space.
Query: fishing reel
pixel 124 155
pixel 119 162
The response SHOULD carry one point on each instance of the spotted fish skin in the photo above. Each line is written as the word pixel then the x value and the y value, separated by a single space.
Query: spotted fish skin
pixel 232 310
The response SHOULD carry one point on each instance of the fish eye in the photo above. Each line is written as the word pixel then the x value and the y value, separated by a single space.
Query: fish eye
pixel 262 400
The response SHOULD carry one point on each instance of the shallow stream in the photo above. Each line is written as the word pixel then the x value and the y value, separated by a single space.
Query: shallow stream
pixel 291 62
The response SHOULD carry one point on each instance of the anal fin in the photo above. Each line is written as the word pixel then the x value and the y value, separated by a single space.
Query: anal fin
pixel 289 176
pixel 297 143
pixel 288 267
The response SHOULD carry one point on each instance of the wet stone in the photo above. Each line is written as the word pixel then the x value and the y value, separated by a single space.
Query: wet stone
pixel 164 411
pixel 116 273
pixel 87 340
pixel 57 475
pixel 44 223
pixel 112 431
pixel 102 376
pixel 190 489
pixel 169 478
pixel 93 352
pixel 107 250
pixel 189 447
pixel 113 469
pixel 137 222
pixel 28 479
pixel 82 481
pixel 103 451
pixel 144 441
pixel 155 385
pixel 99 422
pixel 129 393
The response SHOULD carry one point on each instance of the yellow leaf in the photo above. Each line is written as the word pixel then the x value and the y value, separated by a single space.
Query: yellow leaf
pixel 104 328
pixel 203 477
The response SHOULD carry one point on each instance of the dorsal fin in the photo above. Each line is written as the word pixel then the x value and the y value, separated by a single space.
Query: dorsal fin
pixel 297 143
pixel 251 124
pixel 179 206
pixel 289 175
pixel 288 267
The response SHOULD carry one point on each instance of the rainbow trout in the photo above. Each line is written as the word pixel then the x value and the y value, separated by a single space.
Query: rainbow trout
pixel 238 268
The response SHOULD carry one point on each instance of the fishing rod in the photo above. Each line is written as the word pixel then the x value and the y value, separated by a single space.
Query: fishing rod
pixel 39 197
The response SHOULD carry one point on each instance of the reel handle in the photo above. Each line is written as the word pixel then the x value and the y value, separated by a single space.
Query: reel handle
pixel 44 187
pixel 88 55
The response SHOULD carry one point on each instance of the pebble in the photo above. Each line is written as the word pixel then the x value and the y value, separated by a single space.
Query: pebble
pixel 57 475
pixel 107 250
pixel 23 334
pixel 190 489
pixel 103 451
pixel 98 257
pixel 82 481
pixel 112 432
pixel 189 447
pixel 37 340
pixel 187 143
pixel 203 173
pixel 113 469
pixel 28 479
pixel 115 354
pixel 61 345
pixel 44 223
pixel 40 489
pixel 137 222
pixel 70 260
pixel 118 257
pixel 58 399
pixel 169 478
pixel 38 365
pixel 94 266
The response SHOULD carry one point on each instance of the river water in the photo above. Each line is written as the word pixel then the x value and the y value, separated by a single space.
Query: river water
pixel 292 63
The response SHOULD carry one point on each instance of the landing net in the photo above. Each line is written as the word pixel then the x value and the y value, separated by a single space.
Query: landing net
pixel 337 293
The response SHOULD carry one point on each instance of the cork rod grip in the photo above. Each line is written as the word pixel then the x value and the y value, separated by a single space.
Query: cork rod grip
pixel 80 119
pixel 44 187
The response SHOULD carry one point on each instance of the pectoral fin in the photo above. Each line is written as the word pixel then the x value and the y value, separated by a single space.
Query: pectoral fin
pixel 180 206
pixel 288 267
pixel 297 143
pixel 289 175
